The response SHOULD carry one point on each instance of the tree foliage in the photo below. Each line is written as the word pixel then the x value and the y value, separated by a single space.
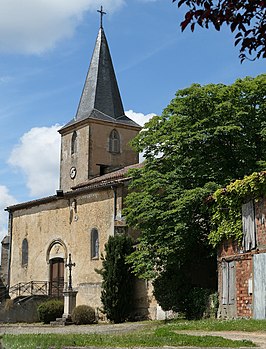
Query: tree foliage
pixel 245 17
pixel 206 137
pixel 117 279
pixel 228 201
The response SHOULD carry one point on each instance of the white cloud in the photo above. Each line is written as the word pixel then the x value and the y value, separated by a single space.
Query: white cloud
pixel 37 155
pixel 34 26
pixel 139 118
pixel 5 200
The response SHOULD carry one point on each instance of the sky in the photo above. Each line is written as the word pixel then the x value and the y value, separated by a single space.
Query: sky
pixel 45 51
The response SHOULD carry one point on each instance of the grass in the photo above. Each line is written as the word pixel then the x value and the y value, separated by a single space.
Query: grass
pixel 247 325
pixel 152 336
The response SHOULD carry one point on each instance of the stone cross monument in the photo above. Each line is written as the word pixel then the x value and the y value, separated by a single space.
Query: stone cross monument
pixel 69 294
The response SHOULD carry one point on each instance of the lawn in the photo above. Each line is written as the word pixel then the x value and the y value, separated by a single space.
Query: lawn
pixel 246 325
pixel 153 335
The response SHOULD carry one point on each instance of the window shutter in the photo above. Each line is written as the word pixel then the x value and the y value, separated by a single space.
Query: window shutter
pixel 248 223
pixel 224 283
pixel 232 283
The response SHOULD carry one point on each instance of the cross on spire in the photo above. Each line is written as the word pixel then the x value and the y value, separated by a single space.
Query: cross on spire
pixel 102 13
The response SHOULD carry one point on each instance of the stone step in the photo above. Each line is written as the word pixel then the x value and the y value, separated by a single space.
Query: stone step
pixel 61 322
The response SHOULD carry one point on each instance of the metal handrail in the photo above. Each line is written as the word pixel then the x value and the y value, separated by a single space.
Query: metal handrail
pixel 34 288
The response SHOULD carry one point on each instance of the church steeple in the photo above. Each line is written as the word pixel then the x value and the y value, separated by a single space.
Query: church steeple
pixel 97 140
pixel 100 92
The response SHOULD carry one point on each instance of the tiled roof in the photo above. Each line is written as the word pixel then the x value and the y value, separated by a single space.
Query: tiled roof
pixel 109 177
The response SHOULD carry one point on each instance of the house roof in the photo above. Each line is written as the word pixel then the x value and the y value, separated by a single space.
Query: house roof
pixel 100 98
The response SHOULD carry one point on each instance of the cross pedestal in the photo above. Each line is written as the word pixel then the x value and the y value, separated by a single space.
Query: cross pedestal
pixel 69 303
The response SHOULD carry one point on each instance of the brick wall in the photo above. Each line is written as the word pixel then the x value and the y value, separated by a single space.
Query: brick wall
pixel 229 251
pixel 243 274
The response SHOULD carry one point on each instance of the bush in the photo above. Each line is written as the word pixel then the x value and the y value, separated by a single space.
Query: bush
pixel 50 310
pixel 83 315
pixel 117 283
pixel 197 302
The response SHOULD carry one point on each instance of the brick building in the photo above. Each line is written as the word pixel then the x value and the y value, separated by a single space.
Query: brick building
pixel 242 269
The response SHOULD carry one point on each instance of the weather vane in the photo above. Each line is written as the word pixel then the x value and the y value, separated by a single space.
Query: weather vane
pixel 102 13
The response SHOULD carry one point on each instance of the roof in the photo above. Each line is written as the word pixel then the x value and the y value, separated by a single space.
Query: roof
pixel 110 177
pixel 101 182
pixel 100 97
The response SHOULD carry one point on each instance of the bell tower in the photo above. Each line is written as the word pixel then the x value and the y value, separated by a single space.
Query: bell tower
pixel 97 140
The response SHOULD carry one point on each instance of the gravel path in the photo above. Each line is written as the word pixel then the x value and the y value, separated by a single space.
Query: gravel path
pixel 103 328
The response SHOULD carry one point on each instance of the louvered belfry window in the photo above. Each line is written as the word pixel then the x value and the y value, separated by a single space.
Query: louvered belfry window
pixel 114 142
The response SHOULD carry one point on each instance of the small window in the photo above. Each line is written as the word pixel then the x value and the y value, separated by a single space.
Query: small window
pixel 25 252
pixel 114 142
pixel 94 244
pixel 74 143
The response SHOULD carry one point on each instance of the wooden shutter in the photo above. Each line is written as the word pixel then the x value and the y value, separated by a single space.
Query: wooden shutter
pixel 231 283
pixel 248 223
pixel 224 283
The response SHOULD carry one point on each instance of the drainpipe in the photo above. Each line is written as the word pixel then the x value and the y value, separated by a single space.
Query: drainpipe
pixel 115 200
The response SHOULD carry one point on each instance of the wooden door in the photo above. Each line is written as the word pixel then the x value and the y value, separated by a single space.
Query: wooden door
pixel 56 277
pixel 259 290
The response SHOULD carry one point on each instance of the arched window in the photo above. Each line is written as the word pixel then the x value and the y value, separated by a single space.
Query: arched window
pixel 25 252
pixel 74 143
pixel 114 142
pixel 94 244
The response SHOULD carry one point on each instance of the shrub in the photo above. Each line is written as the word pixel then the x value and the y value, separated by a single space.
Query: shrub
pixel 83 315
pixel 50 310
pixel 117 283
pixel 197 302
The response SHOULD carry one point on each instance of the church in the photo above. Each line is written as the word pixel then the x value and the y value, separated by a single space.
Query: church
pixel 87 208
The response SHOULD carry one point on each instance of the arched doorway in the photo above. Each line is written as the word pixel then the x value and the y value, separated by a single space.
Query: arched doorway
pixel 56 284
pixel 56 258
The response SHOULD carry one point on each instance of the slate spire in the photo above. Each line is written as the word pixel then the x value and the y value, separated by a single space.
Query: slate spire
pixel 100 92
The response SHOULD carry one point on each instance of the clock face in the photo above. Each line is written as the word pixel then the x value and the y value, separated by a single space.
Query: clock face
pixel 73 172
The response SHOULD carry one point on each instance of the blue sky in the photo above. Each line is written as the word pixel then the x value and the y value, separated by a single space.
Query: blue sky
pixel 45 50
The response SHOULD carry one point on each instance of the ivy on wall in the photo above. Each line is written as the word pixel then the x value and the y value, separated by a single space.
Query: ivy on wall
pixel 228 201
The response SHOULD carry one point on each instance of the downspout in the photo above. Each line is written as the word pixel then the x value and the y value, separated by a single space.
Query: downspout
pixel 114 187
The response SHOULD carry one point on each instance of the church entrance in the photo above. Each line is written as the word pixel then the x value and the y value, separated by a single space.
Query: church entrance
pixel 56 285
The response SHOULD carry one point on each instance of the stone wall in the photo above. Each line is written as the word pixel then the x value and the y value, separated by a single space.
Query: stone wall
pixel 93 150
pixel 23 311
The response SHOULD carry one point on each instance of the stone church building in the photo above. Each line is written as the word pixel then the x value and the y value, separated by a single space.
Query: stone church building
pixel 87 208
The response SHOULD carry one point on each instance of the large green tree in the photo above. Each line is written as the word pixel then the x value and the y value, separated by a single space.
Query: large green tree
pixel 206 137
